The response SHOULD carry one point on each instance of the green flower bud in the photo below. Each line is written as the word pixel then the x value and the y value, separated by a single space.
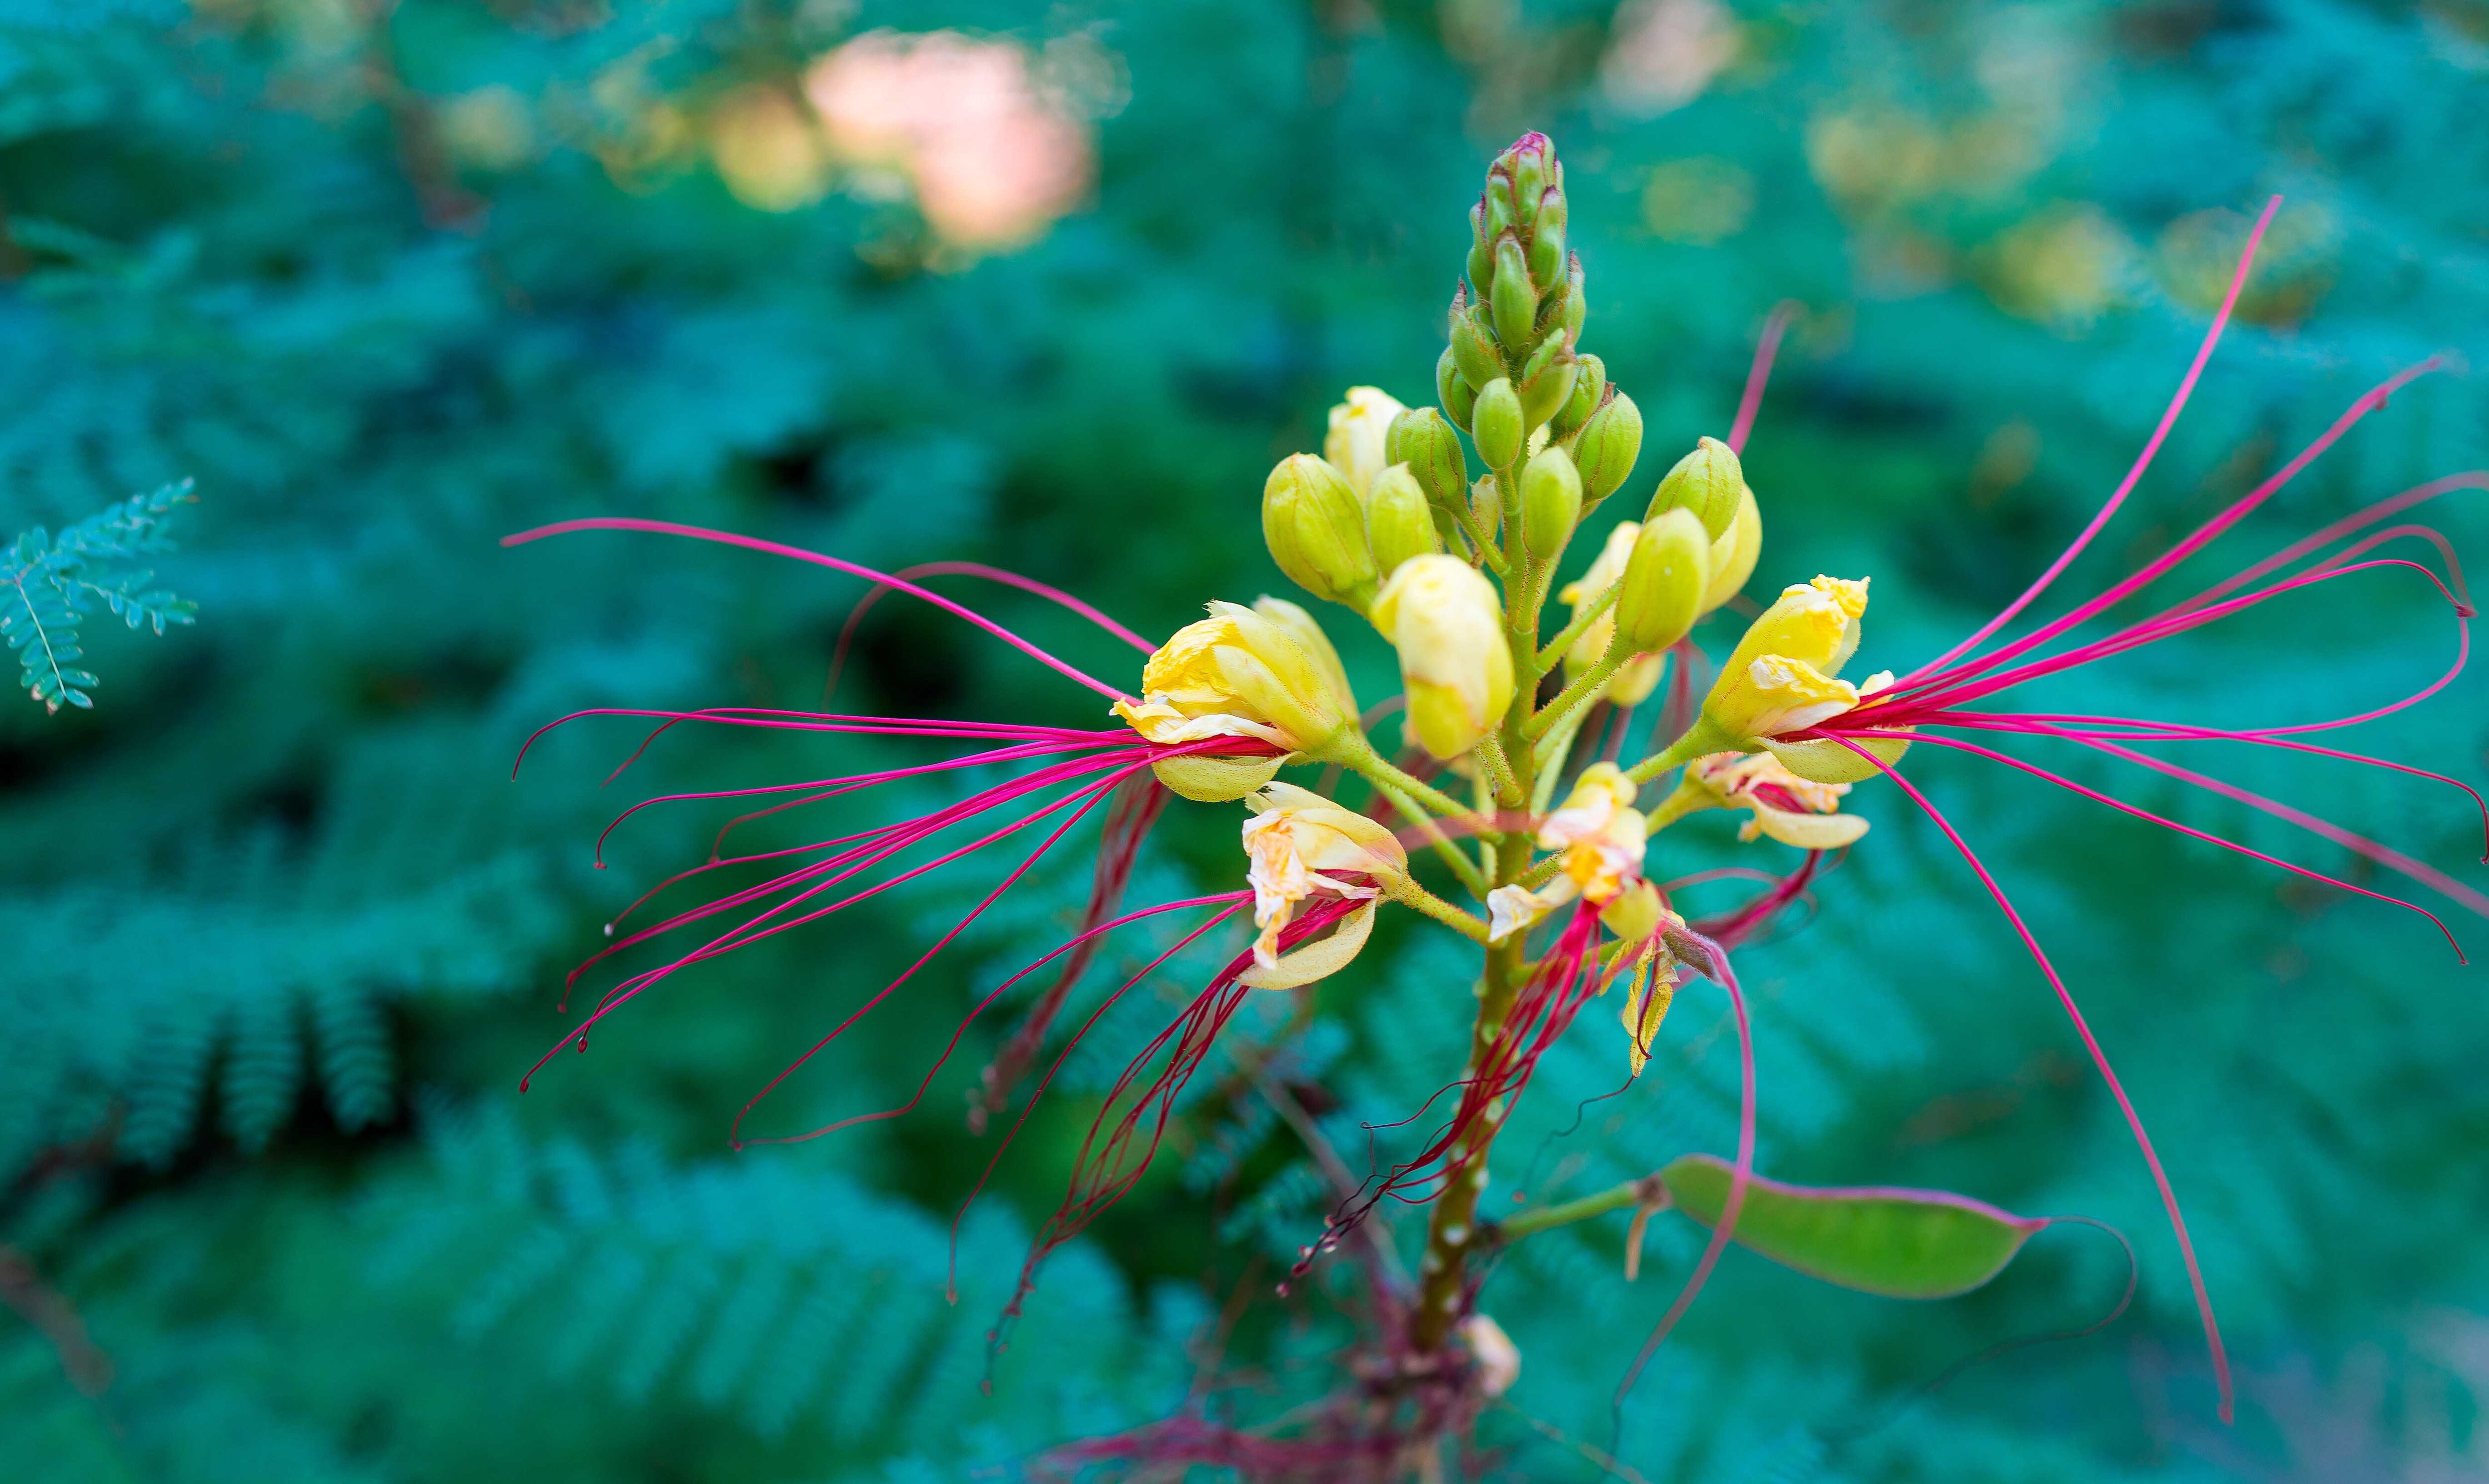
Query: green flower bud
pixel 1547 249
pixel 1422 440
pixel 1399 524
pixel 1486 504
pixel 1316 531
pixel 1611 441
pixel 1544 396
pixel 1474 351
pixel 1528 158
pixel 1735 554
pixel 1590 389
pixel 1576 307
pixel 1540 360
pixel 1515 300
pixel 1451 391
pixel 1497 424
pixel 1551 502
pixel 1664 582
pixel 1706 482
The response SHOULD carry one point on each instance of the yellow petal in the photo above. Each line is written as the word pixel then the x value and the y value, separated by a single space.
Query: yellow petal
pixel 1316 960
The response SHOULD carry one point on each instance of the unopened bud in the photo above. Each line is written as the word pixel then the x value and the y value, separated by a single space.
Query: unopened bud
pixel 1551 502
pixel 1474 351
pixel 1733 555
pixel 1422 440
pixel 1546 247
pixel 1577 309
pixel 1316 531
pixel 1590 389
pixel 1706 482
pixel 1544 395
pixel 1359 428
pixel 1664 582
pixel 1497 424
pixel 1486 504
pixel 1456 394
pixel 1513 297
pixel 1611 441
pixel 1447 624
pixel 1399 522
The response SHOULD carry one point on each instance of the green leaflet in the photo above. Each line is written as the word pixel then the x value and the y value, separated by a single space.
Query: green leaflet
pixel 1887 1240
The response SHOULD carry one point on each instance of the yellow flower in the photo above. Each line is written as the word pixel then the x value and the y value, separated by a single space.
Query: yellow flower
pixel 1354 444
pixel 1448 624
pixel 1600 836
pixel 1265 672
pixel 1784 674
pixel 1299 842
pixel 1787 806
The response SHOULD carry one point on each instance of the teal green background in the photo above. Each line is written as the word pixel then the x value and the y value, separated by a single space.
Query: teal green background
pixel 282 932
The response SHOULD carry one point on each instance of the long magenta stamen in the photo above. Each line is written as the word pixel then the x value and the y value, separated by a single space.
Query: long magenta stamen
pixel 2142 461
pixel 781 548
pixel 2100 1063
pixel 1766 348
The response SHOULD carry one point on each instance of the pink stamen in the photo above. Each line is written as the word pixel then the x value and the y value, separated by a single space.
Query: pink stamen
pixel 781 548
pixel 1759 372
pixel 872 596
pixel 2474 480
pixel 1741 1175
pixel 1926 677
pixel 2099 1062
pixel 2365 847
pixel 2142 461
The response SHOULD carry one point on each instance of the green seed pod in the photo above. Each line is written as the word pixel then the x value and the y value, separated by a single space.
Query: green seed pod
pixel 1316 531
pixel 1474 351
pixel 1454 393
pixel 1497 424
pixel 1662 592
pixel 1590 389
pixel 1546 395
pixel 1706 482
pixel 1514 298
pixel 1551 502
pixel 1422 440
pixel 1610 441
pixel 1398 521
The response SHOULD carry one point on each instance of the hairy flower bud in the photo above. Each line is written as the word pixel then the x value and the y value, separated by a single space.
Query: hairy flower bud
pixel 1497 424
pixel 1735 554
pixel 1664 580
pixel 1551 502
pixel 1707 482
pixel 1455 394
pixel 1611 441
pixel 1474 351
pixel 1354 443
pixel 1448 624
pixel 1513 297
pixel 1589 389
pixel 1398 521
pixel 1544 393
pixel 1316 531
pixel 1422 440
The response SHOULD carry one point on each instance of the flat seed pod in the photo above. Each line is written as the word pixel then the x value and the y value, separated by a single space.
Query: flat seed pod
pixel 1887 1240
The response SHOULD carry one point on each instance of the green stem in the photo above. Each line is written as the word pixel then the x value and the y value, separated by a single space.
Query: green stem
pixel 1584 686
pixel 1356 754
pixel 1701 738
pixel 1485 544
pixel 1689 798
pixel 1464 871
pixel 1588 614
pixel 1497 772
pixel 1406 890
pixel 1645 1191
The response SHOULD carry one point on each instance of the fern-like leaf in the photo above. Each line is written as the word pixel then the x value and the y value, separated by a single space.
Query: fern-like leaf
pixel 48 584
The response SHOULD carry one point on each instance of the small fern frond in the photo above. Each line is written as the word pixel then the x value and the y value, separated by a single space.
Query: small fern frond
pixel 50 584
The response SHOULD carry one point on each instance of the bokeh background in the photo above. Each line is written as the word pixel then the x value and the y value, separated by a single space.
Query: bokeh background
pixel 1053 285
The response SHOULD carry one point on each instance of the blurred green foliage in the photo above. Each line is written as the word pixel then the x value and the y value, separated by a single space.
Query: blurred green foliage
pixel 390 280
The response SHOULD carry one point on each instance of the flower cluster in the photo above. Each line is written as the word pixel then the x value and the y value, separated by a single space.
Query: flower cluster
pixel 1453 566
